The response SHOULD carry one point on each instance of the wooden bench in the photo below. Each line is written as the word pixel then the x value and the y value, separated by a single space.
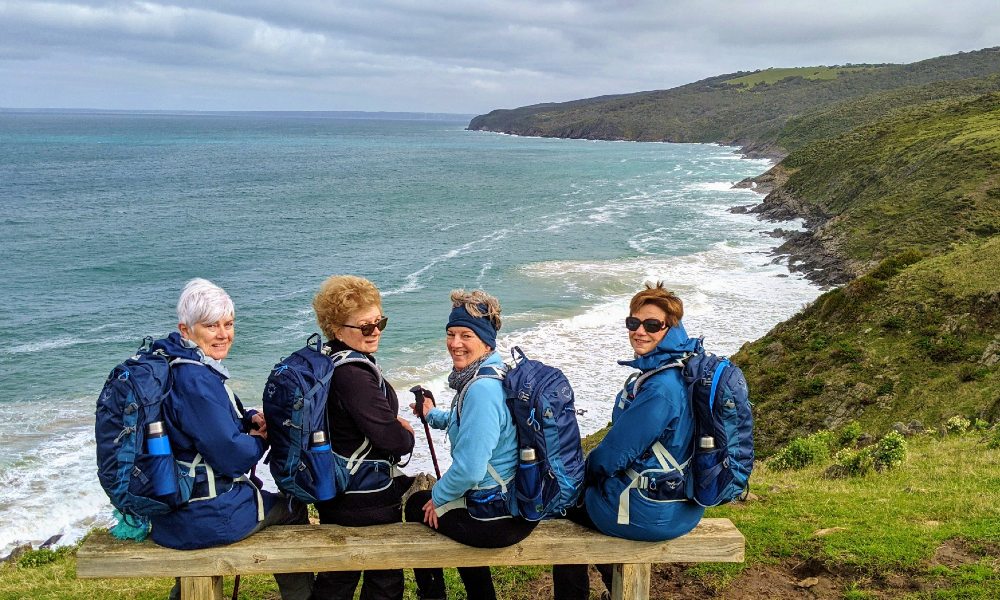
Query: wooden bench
pixel 304 548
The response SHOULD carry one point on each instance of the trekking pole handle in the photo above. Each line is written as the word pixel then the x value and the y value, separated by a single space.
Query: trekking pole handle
pixel 419 393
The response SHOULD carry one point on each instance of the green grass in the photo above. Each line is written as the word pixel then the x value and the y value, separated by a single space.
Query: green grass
pixel 877 527
pixel 774 75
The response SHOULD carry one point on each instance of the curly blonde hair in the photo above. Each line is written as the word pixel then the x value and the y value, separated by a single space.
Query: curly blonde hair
pixel 479 304
pixel 339 297
pixel 661 298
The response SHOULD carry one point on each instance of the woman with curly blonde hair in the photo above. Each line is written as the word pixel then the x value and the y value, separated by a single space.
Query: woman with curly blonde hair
pixel 365 429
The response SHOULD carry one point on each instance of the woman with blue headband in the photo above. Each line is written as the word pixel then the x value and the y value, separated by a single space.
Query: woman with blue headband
pixel 470 502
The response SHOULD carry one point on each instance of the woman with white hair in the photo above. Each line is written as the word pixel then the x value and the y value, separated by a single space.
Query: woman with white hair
pixel 210 431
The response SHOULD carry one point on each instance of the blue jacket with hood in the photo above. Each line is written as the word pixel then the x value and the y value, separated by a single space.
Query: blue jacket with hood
pixel 202 419
pixel 632 490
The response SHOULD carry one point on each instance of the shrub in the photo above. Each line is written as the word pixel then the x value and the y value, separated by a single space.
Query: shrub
pixel 967 373
pixel 855 463
pixel 894 264
pixel 812 387
pixel 957 424
pixel 889 452
pixel 894 323
pixel 40 557
pixel 849 434
pixel 846 352
pixel 802 452
pixel 993 442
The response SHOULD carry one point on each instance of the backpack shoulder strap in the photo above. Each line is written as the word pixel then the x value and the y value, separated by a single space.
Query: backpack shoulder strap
pixel 637 379
pixel 352 356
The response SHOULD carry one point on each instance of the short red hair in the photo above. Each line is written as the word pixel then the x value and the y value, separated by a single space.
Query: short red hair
pixel 661 298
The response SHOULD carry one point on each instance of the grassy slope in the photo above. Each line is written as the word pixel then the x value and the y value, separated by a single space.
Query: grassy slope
pixel 887 347
pixel 924 179
pixel 713 110
pixel 879 527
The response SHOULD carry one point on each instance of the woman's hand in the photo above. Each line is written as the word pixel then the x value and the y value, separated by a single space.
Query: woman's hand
pixel 430 514
pixel 406 425
pixel 428 405
pixel 258 425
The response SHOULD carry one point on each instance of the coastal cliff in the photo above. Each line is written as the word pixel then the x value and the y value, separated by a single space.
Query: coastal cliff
pixel 894 171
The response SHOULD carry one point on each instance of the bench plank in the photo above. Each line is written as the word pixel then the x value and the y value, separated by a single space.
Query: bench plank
pixel 304 548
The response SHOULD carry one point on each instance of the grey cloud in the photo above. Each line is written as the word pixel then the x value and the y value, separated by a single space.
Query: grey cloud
pixel 445 56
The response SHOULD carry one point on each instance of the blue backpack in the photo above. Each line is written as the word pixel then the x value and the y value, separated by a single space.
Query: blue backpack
pixel 301 459
pixel 132 399
pixel 541 402
pixel 722 456
pixel 722 413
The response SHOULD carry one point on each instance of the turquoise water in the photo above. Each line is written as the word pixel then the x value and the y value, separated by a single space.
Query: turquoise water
pixel 103 218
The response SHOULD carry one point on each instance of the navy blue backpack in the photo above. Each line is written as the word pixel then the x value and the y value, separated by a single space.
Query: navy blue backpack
pixel 541 402
pixel 301 459
pixel 131 399
pixel 723 436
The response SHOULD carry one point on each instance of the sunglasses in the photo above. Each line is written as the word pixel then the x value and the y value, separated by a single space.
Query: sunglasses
pixel 650 325
pixel 369 328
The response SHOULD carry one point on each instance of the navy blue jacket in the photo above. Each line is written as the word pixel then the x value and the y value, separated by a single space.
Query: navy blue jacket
pixel 201 418
pixel 659 412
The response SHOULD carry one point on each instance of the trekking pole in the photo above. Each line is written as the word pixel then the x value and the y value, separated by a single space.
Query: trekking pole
pixel 420 393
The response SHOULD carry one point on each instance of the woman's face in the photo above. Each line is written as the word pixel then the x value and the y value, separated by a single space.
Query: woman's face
pixel 214 339
pixel 350 333
pixel 465 347
pixel 641 340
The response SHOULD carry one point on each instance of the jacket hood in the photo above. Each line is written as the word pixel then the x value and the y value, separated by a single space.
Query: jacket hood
pixel 676 344
pixel 177 347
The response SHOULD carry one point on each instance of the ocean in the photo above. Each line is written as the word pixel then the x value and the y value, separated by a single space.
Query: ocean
pixel 105 216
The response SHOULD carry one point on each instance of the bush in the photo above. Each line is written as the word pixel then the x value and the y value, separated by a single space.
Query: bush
pixel 854 463
pixel 846 352
pixel 993 441
pixel 43 556
pixel 957 424
pixel 967 373
pixel 894 323
pixel 889 452
pixel 802 452
pixel 849 434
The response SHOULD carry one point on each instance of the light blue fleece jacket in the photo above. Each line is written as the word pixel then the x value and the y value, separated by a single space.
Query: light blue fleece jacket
pixel 486 435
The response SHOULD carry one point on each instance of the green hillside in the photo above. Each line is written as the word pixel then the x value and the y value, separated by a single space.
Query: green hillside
pixel 924 179
pixel 914 339
pixel 716 110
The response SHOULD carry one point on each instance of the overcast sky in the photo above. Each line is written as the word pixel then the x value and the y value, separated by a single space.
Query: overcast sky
pixel 441 55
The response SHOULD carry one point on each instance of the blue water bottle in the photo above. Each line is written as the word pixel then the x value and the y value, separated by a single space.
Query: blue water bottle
pixel 322 453
pixel 163 473
pixel 529 485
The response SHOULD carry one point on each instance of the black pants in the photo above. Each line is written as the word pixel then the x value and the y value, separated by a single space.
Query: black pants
pixel 355 510
pixel 458 525
pixel 572 582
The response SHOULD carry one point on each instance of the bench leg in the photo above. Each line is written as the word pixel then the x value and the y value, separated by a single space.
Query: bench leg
pixel 631 582
pixel 201 588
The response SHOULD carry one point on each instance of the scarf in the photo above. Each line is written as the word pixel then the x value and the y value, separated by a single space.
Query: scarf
pixel 458 379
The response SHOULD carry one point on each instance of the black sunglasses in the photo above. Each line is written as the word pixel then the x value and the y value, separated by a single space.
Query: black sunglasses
pixel 650 325
pixel 369 328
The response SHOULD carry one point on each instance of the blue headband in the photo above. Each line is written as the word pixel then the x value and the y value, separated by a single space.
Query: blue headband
pixel 482 326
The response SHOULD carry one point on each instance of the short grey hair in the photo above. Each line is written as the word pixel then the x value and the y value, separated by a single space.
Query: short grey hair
pixel 202 301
